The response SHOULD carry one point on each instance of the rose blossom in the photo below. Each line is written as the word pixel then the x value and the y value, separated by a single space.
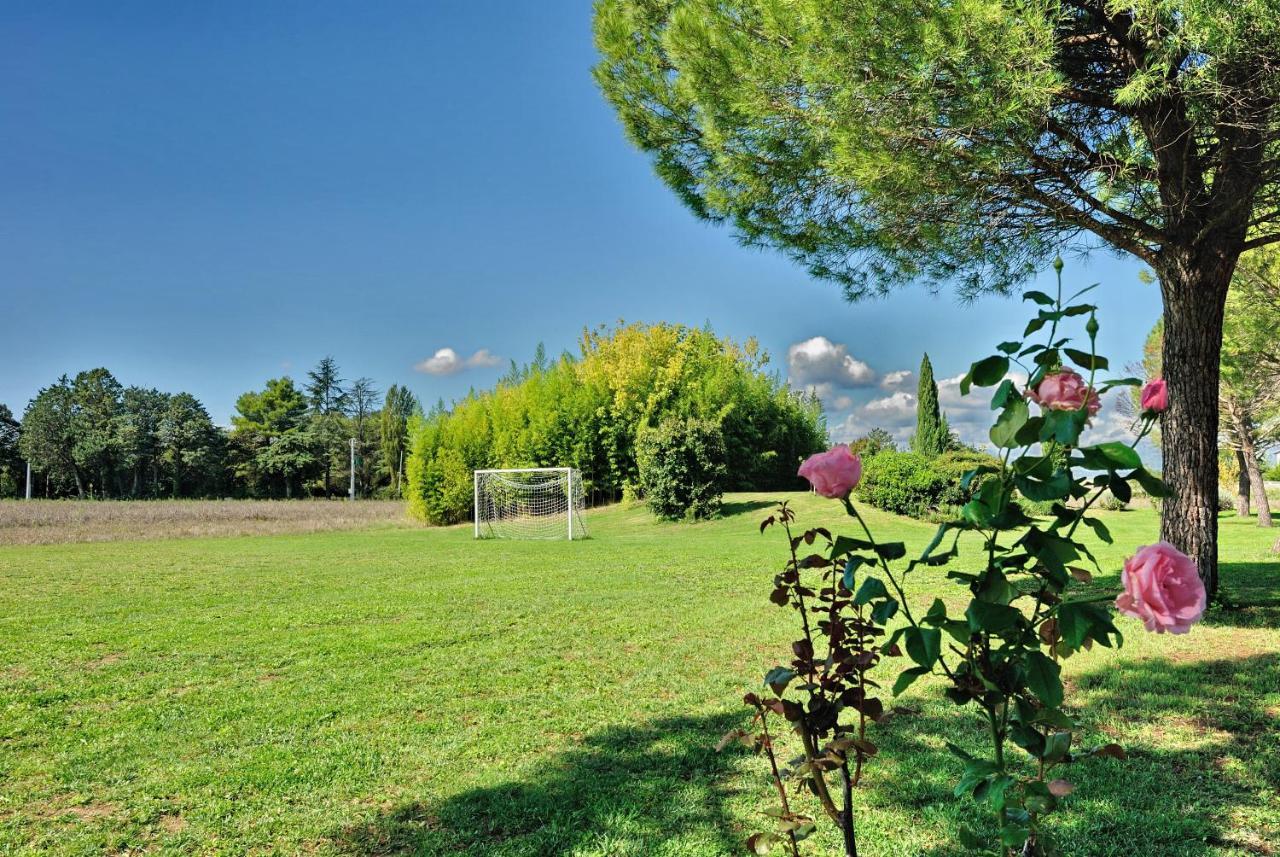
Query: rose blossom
pixel 1155 396
pixel 833 473
pixel 1162 588
pixel 1064 391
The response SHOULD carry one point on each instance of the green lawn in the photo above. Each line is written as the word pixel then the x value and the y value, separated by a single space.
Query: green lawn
pixel 411 691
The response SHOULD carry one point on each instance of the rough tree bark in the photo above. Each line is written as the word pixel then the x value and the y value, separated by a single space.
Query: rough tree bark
pixel 1194 287
pixel 1243 429
pixel 1242 486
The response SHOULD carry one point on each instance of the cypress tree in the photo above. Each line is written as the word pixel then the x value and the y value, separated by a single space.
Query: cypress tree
pixel 931 431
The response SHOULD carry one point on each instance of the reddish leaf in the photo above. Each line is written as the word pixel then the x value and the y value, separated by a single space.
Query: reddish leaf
pixel 1061 788
pixel 1115 751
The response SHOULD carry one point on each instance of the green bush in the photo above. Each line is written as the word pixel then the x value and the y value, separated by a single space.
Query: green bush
pixel 904 483
pixel 930 488
pixel 682 468
pixel 1273 475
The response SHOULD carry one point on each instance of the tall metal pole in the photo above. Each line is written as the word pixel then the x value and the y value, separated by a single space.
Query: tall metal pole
pixel 475 493
pixel 351 492
pixel 569 499
pixel 28 480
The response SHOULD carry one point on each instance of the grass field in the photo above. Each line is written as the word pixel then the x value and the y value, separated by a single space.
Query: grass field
pixel 410 691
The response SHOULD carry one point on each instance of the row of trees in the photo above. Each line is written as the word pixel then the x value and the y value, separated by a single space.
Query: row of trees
pixel 90 436
pixel 593 411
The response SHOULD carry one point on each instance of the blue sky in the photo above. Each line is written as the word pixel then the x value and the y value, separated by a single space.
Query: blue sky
pixel 203 196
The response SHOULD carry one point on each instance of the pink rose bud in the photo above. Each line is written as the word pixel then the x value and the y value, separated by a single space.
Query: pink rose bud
pixel 1155 396
pixel 1162 588
pixel 833 473
pixel 1065 391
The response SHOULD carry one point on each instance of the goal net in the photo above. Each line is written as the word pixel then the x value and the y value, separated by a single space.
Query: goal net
pixel 531 503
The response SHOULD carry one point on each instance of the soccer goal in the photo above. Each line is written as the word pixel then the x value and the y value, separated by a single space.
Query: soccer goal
pixel 529 503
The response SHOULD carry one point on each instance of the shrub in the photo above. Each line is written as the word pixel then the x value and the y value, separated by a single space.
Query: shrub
pixel 954 465
pixel 682 468
pixel 904 483
pixel 1273 475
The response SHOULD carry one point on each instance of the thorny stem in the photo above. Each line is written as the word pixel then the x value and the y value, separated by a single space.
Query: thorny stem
pixel 902 596
pixel 777 778
pixel 819 779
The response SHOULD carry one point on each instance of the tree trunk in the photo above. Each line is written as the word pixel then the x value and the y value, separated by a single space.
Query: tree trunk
pixel 1242 486
pixel 1249 461
pixel 1195 290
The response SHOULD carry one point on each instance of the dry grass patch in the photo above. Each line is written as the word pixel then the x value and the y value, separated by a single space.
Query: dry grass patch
pixel 60 521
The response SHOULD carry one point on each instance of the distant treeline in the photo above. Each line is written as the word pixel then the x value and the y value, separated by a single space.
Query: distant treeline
pixel 589 411
pixel 90 436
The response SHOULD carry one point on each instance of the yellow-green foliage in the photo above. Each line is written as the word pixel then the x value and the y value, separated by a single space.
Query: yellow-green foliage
pixel 585 412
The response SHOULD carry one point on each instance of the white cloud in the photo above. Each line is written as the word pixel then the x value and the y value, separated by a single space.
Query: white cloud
pixel 897 378
pixel 819 362
pixel 446 361
pixel 970 417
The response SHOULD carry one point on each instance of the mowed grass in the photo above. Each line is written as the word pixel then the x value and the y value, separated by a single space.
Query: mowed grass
pixel 407 691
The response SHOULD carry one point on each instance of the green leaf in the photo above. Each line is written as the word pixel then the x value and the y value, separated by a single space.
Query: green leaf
pixel 977 513
pixel 1099 529
pixel 1004 393
pixel 1150 483
pixel 924 645
pixel 906 678
pixel 1085 360
pixel 850 570
pixel 1039 297
pixel 991 618
pixel 1063 426
pixel 890 551
pixel 1121 455
pixel 1120 489
pixel 845 545
pixel 1056 487
pixel 1044 679
pixel 871 589
pixel 1056 746
pixel 1014 835
pixel 1079 621
pixel 985 373
pixel 778 678
pixel 884 611
pixel 1004 433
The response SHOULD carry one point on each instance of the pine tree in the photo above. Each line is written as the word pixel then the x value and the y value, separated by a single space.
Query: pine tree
pixel 931 437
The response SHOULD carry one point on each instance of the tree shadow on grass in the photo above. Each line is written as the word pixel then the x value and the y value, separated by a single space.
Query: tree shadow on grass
pixel 742 507
pixel 1250 595
pixel 1201 779
pixel 619 792
pixel 1203 772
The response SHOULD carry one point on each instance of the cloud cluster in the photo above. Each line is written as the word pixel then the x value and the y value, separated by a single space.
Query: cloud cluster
pixel 970 417
pixel 446 361
pixel 819 362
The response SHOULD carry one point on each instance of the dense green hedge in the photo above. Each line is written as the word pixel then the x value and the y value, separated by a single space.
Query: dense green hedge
pixel 587 412
pixel 908 483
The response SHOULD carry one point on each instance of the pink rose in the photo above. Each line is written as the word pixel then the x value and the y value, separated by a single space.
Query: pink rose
pixel 1065 391
pixel 833 473
pixel 1155 396
pixel 1162 588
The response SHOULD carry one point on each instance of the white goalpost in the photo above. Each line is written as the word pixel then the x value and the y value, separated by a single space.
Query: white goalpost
pixel 529 503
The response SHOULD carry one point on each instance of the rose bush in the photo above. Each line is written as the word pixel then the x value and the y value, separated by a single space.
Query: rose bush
pixel 1001 655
